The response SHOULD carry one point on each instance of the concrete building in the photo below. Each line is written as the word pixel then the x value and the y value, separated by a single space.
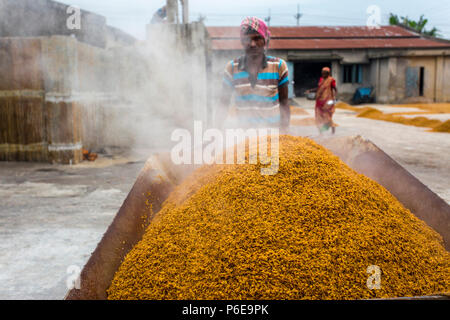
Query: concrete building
pixel 38 18
pixel 400 64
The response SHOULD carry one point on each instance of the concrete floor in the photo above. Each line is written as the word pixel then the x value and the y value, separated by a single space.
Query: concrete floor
pixel 52 217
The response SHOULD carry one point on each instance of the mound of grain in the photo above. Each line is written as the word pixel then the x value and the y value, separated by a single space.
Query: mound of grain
pixel 423 122
pixel 370 113
pixel 375 114
pixel 444 127
pixel 309 232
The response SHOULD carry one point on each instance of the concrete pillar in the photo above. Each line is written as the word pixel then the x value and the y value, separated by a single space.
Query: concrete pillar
pixel 185 4
pixel 400 80
pixel 336 71
pixel 383 81
pixel 172 11
pixel 392 74
pixel 439 80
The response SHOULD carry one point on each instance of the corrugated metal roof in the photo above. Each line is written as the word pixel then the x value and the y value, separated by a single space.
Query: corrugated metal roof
pixel 310 38
pixel 311 44
pixel 319 32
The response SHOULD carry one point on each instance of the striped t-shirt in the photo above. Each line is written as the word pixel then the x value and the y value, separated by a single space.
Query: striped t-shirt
pixel 257 104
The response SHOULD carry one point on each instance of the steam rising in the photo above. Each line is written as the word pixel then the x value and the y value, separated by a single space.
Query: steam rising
pixel 164 87
pixel 125 93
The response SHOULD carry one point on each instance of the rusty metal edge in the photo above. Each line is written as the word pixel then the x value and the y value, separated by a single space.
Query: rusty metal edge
pixel 150 190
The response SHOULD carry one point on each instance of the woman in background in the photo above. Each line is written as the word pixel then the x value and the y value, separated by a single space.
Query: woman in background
pixel 326 94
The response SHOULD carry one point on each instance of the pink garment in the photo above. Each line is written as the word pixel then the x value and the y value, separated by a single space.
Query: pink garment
pixel 257 25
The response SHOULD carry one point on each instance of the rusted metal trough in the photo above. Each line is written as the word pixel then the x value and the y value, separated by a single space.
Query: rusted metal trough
pixel 159 177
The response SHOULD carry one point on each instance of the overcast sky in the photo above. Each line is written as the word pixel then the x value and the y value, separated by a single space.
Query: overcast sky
pixel 132 15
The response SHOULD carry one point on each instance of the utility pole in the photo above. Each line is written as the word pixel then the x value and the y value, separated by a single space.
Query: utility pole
pixel 298 15
pixel 267 19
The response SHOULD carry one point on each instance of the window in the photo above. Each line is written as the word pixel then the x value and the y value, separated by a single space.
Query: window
pixel 352 73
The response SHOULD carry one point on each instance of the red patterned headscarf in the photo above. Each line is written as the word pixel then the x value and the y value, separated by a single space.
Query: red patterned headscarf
pixel 257 25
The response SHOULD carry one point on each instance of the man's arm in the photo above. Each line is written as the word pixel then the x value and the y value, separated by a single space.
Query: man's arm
pixel 285 109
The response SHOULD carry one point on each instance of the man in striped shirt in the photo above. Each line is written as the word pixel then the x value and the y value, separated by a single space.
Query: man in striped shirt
pixel 259 82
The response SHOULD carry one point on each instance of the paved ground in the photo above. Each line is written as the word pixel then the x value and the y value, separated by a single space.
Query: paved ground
pixel 52 217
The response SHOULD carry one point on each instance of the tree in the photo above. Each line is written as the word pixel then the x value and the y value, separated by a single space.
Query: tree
pixel 419 26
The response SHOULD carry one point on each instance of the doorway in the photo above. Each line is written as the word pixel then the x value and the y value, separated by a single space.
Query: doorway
pixel 307 75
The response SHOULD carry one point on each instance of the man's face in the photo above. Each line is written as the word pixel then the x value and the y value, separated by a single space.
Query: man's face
pixel 253 44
